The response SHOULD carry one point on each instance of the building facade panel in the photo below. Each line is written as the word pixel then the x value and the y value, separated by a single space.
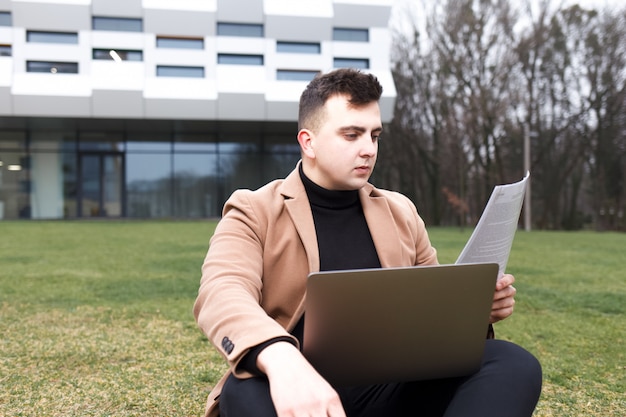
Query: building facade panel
pixel 58 15
pixel 185 22
pixel 118 40
pixel 6 99
pixel 240 11
pixel 6 35
pixel 372 13
pixel 121 8
pixel 183 109
pixel 108 103
pixel 116 76
pixel 161 108
pixel 51 105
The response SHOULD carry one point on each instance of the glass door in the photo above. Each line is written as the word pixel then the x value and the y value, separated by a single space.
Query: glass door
pixel 101 185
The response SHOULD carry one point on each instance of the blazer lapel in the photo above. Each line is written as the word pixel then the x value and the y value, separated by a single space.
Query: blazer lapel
pixel 299 209
pixel 382 227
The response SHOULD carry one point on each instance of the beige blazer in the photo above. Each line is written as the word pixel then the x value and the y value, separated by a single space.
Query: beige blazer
pixel 253 277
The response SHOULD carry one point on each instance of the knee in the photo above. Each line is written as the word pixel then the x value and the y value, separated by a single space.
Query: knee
pixel 515 363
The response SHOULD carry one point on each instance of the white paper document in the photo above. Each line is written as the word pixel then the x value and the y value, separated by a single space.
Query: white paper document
pixel 492 238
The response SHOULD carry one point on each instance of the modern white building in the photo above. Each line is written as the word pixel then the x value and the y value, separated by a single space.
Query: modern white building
pixel 161 108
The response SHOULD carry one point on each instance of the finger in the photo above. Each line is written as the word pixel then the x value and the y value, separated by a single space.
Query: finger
pixel 505 281
pixel 506 292
pixel 501 314
pixel 507 302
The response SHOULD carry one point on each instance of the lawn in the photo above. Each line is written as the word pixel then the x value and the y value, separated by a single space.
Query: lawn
pixel 95 318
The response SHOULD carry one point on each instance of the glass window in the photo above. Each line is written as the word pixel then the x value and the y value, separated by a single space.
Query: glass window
pixel 53 140
pixel 176 71
pixel 70 185
pixel 196 185
pixel 195 143
pixel 358 63
pixel 100 185
pixel 51 37
pixel 52 67
pixel 14 186
pixel 5 50
pixel 351 35
pixel 240 170
pixel 295 75
pixel 240 29
pixel 281 152
pixel 118 54
pixel 152 143
pixel 5 19
pixel 179 43
pixel 282 143
pixel 298 47
pixel 101 141
pixel 236 59
pixel 148 185
pixel 279 165
pixel 121 24
pixel 13 139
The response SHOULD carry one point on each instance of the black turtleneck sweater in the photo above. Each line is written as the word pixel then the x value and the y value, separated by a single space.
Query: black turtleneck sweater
pixel 343 239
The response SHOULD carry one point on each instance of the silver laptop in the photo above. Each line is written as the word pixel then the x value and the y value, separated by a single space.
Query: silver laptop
pixel 373 326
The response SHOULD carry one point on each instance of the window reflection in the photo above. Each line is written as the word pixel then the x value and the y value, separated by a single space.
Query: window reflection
pixel 358 63
pixel 179 43
pixel 148 185
pixel 351 35
pixel 70 185
pixel 179 71
pixel 240 29
pixel 52 140
pixel 13 139
pixel 187 175
pixel 195 143
pixel 240 170
pixel 195 185
pixel 14 186
pixel 149 146
pixel 123 24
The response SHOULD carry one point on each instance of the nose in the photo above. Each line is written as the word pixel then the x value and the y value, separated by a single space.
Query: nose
pixel 369 146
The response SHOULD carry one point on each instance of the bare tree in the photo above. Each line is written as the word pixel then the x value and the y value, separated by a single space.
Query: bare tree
pixel 474 77
pixel 604 48
pixel 452 77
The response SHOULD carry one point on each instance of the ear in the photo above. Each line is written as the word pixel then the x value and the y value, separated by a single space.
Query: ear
pixel 306 139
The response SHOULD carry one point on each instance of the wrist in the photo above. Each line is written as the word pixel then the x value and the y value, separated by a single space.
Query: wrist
pixel 275 355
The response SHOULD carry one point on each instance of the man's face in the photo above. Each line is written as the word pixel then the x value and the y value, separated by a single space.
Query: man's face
pixel 342 154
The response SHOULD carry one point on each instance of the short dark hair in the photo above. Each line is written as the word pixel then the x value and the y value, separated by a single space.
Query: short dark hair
pixel 361 88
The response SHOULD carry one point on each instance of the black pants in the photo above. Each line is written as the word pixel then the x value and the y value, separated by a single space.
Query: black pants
pixel 507 385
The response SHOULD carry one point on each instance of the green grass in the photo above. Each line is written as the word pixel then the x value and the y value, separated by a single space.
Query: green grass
pixel 95 318
pixel 570 312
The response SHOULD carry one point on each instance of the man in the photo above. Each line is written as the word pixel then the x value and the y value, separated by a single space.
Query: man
pixel 326 216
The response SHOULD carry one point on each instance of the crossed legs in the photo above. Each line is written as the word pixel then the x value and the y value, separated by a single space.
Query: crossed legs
pixel 507 385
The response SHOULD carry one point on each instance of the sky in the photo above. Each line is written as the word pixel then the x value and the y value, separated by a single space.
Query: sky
pixel 584 3
pixel 402 7
pixel 597 3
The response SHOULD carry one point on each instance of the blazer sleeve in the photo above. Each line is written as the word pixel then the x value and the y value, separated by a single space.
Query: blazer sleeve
pixel 228 307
